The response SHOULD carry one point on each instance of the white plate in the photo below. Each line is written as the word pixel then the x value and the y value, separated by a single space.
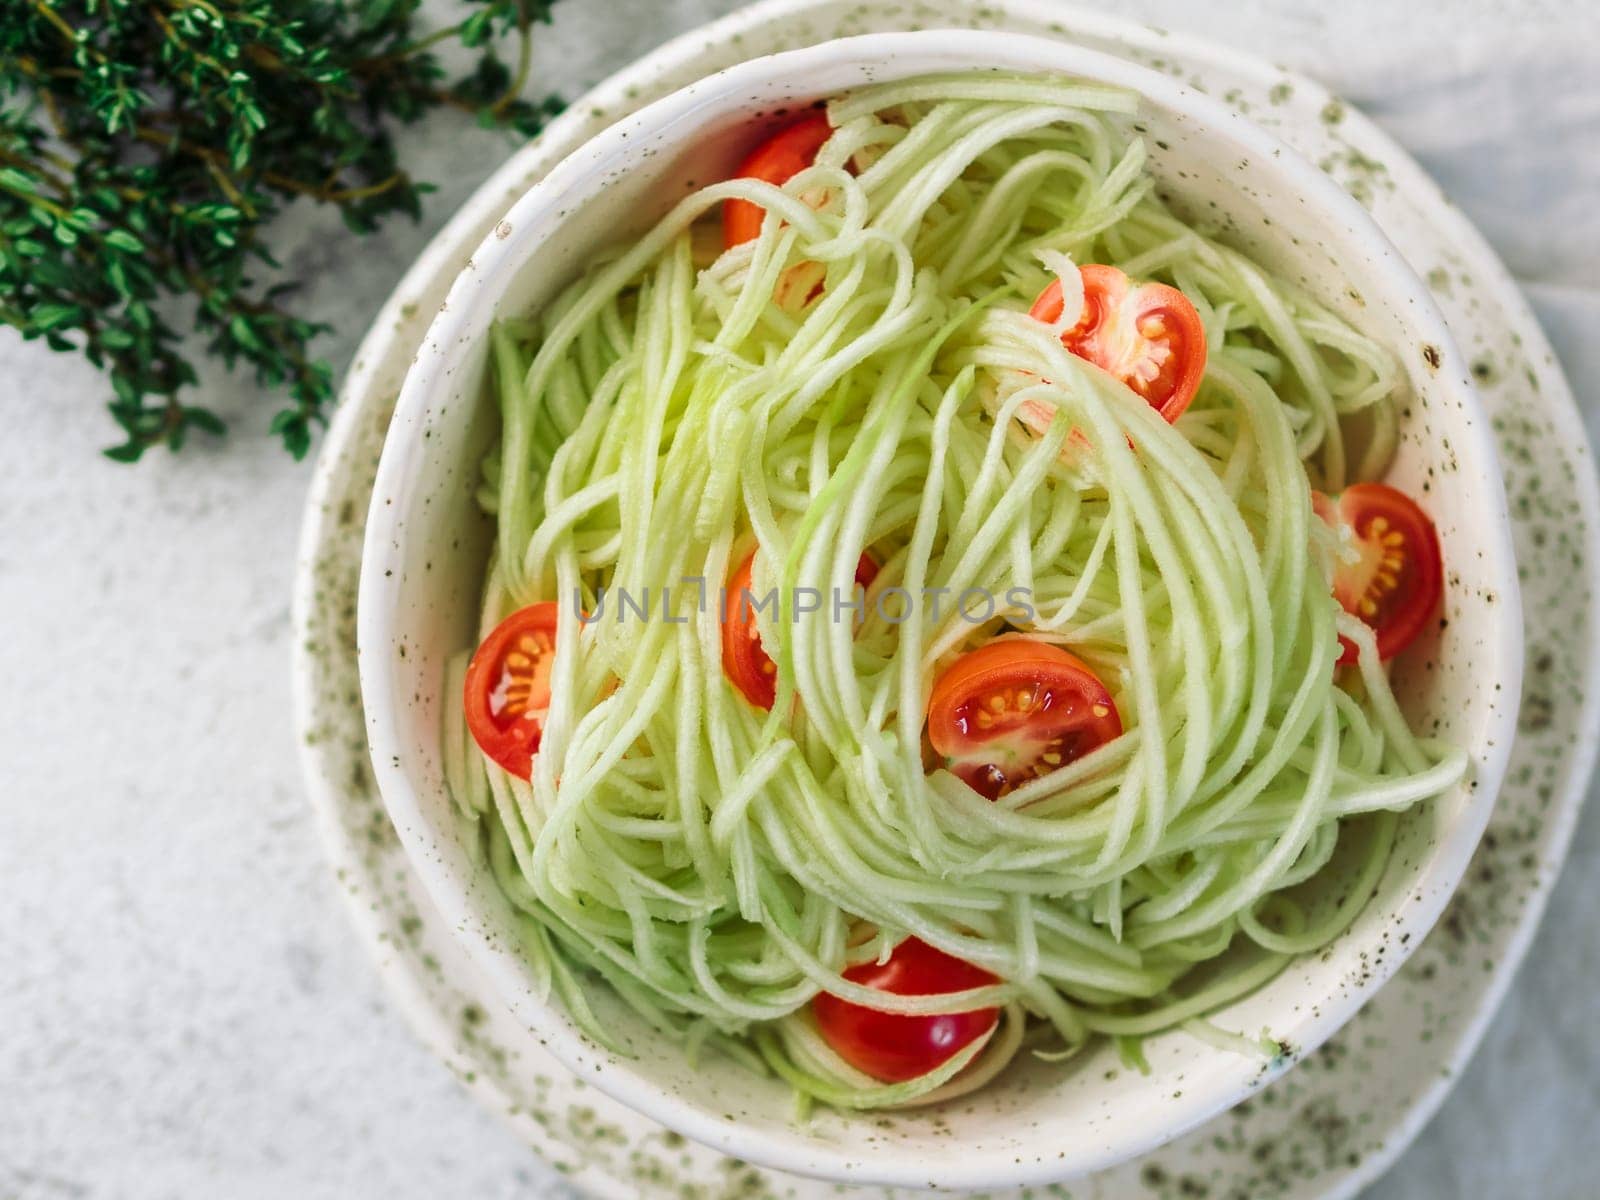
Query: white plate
pixel 1340 1118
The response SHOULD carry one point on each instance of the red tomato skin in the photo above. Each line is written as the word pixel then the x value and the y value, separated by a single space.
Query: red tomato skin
pixel 744 659
pixel 866 571
pixel 1071 714
pixel 509 735
pixel 776 161
pixel 893 1047
pixel 1406 606
pixel 1110 299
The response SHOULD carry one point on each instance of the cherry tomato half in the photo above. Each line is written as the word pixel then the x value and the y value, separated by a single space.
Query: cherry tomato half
pixel 1396 578
pixel 1146 334
pixel 894 1047
pixel 777 160
pixel 507 693
pixel 1014 710
pixel 744 659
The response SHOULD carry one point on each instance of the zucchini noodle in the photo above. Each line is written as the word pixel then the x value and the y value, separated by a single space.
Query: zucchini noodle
pixel 718 865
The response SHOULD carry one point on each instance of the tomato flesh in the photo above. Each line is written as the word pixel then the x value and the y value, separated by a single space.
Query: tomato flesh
pixel 1390 573
pixel 776 161
pixel 1014 710
pixel 507 691
pixel 1148 335
pixel 895 1047
pixel 799 285
pixel 745 660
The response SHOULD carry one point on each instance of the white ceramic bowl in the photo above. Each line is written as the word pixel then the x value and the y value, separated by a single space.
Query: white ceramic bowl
pixel 426 546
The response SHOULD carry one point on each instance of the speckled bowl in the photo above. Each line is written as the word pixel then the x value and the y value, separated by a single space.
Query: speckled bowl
pixel 426 546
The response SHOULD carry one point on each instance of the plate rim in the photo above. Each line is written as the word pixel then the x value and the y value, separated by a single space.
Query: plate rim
pixel 500 187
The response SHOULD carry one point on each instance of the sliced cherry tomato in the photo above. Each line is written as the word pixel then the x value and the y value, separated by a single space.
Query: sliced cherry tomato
pixel 799 285
pixel 1014 710
pixel 777 160
pixel 1148 335
pixel 749 666
pixel 744 659
pixel 866 571
pixel 507 693
pixel 895 1047
pixel 1396 576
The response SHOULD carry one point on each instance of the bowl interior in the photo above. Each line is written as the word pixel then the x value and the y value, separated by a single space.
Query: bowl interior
pixel 427 545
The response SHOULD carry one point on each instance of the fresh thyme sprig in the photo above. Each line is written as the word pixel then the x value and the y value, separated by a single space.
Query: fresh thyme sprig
pixel 145 145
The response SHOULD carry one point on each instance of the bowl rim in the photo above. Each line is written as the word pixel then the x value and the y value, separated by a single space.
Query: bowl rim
pixel 453 328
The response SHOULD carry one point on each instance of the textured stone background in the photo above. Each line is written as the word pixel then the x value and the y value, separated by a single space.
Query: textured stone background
pixel 183 1011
